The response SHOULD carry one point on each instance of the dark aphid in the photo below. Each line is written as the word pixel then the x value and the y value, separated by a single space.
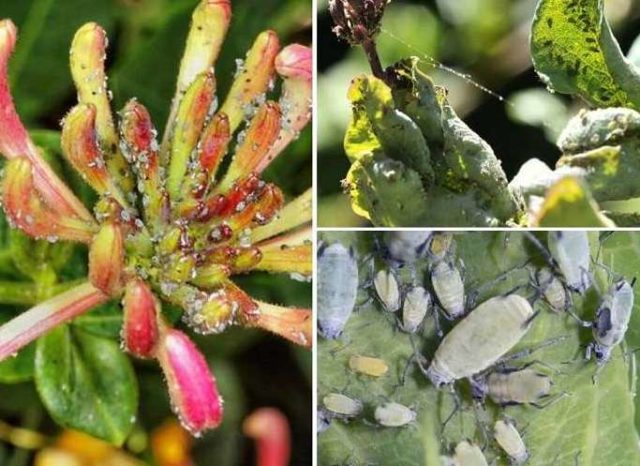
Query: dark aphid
pixel 612 320
pixel 406 247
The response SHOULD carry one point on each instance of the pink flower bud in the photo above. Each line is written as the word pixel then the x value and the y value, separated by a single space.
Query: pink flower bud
pixel 270 429
pixel 141 310
pixel 192 386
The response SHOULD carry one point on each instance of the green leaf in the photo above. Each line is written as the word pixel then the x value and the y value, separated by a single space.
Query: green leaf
pixel 104 320
pixel 569 203
pixel 596 420
pixel 87 383
pixel 575 52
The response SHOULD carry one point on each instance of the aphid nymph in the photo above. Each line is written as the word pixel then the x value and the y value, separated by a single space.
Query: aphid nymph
pixel 417 303
pixel 374 367
pixel 510 440
pixel 394 414
pixel 341 406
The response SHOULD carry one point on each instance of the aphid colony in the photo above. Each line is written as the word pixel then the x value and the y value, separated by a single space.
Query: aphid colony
pixel 478 345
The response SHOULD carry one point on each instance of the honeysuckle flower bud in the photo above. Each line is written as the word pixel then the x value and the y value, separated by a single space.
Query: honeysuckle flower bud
pixel 270 429
pixel 192 386
pixel 291 252
pixel 209 25
pixel 294 64
pixel 220 309
pixel 86 59
pixel 140 333
pixel 253 77
pixel 260 136
pixel 81 148
pixel 138 143
pixel 190 118
pixel 106 259
pixel 294 324
pixel 297 212
pixel 27 211
pixel 15 142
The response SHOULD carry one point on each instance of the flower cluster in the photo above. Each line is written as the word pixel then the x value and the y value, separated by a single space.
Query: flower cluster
pixel 169 224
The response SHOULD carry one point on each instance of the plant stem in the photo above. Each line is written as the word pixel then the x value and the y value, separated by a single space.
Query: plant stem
pixel 38 320
pixel 369 47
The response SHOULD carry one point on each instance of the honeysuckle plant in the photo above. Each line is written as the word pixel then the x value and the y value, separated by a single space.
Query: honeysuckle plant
pixel 174 221
pixel 414 162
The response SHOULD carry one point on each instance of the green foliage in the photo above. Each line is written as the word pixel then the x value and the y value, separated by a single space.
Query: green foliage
pixel 596 420
pixel 574 52
pixel 87 383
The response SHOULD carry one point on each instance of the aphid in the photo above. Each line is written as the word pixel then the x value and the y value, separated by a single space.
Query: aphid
pixel 324 420
pixel 448 287
pixel 570 250
pixel 387 288
pixel 553 290
pixel 469 454
pixel 524 386
pixel 394 414
pixel 439 245
pixel 342 406
pixel 337 288
pixel 370 366
pixel 509 439
pixel 479 340
pixel 416 305
pixel 406 247
pixel 612 320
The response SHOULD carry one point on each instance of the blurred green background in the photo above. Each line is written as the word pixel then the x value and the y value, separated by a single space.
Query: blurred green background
pixel 486 40
pixel 146 43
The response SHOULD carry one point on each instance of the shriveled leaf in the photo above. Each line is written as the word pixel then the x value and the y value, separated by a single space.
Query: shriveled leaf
pixel 575 52
pixel 397 134
pixel 569 203
pixel 595 421
pixel 386 191
pixel 87 383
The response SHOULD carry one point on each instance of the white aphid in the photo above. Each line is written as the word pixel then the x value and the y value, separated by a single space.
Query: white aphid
pixel 448 287
pixel 553 290
pixel 417 303
pixel 480 339
pixel 524 386
pixel 570 250
pixel 612 320
pixel 394 414
pixel 387 289
pixel 469 454
pixel 337 288
pixel 509 439
pixel 342 406
pixel 407 246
